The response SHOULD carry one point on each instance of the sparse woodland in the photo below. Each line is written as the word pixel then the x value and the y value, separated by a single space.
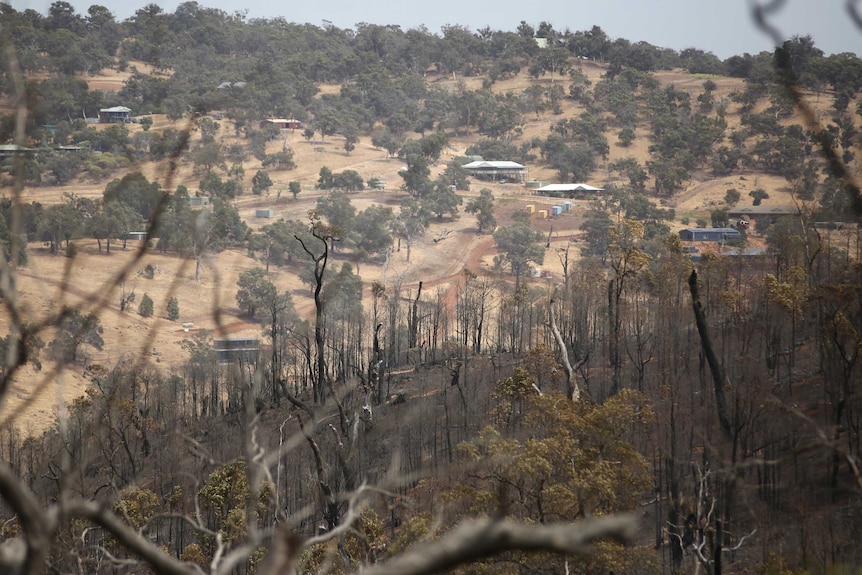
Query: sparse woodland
pixel 641 413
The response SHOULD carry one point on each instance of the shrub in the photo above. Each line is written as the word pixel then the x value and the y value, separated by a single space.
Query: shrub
pixel 731 197
pixel 173 309
pixel 145 308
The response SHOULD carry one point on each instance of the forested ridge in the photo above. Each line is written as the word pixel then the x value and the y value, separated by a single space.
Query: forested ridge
pixel 638 410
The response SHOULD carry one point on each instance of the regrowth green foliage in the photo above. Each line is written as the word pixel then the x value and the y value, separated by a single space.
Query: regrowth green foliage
pixel 563 461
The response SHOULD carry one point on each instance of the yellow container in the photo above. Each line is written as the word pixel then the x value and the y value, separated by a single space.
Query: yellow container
pixel 542 214
pixel 531 208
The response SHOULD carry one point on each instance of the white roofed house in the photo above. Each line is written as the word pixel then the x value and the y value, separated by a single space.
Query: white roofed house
pixel 568 190
pixel 496 170
pixel 115 115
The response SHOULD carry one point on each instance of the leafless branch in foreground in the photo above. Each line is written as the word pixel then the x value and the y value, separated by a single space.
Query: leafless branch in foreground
pixel 474 540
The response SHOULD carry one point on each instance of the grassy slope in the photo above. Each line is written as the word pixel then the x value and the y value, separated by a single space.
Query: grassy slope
pixel 126 333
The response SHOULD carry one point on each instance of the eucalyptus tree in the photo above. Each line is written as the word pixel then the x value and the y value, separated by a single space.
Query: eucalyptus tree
pixel 411 223
pixel 113 222
pixel 483 207
pixel 519 246
pixel 371 234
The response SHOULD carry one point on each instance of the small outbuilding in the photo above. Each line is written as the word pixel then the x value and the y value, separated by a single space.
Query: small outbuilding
pixel 12 150
pixel 762 216
pixel 710 235
pixel 237 349
pixel 568 190
pixel 199 201
pixel 753 212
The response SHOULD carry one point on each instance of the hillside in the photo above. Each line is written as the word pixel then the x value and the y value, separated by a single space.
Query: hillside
pixel 421 356
pixel 434 263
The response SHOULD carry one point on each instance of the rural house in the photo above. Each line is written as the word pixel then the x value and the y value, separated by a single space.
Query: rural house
pixel 497 171
pixel 115 115
pixel 568 191
pixel 281 123
pixel 709 235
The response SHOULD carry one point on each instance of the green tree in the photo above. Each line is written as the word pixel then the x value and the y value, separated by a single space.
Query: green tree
pixel 261 182
pixel 65 166
pixel 560 471
pixel 732 197
pixel 60 223
pixel 417 175
pixel 411 223
pixel 597 225
pixel 519 246
pixel 483 207
pixel 254 289
pixel 135 191
pixel 668 174
pixel 388 141
pixel 371 233
pixel 294 187
pixel 113 222
pixel 208 156
pixel 173 308
pixel 758 196
pixel 441 199
pixel 719 218
pixel 350 141
pixel 75 330
pixel 556 60
pixel 337 209
pixel 280 160
pixel 348 180
pixel 325 178
pixel 534 98
pixel 226 496
pixel 626 136
pixel 145 308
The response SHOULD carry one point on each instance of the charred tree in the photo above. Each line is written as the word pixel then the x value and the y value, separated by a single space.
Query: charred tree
pixel 719 378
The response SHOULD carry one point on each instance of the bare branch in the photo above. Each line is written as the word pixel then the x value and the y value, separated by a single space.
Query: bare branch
pixel 36 525
pixel 133 541
pixel 475 540
pixel 854 13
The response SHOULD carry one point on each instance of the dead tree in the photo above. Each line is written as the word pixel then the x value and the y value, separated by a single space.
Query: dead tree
pixel 719 378
pixel 573 390
pixel 325 235
pixel 413 321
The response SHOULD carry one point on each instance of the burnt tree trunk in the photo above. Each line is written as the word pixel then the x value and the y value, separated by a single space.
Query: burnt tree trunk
pixel 719 378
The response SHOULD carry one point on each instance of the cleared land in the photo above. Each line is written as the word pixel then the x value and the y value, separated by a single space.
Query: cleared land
pixel 48 282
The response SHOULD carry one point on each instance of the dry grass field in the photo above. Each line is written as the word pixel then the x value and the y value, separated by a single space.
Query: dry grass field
pixel 48 281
